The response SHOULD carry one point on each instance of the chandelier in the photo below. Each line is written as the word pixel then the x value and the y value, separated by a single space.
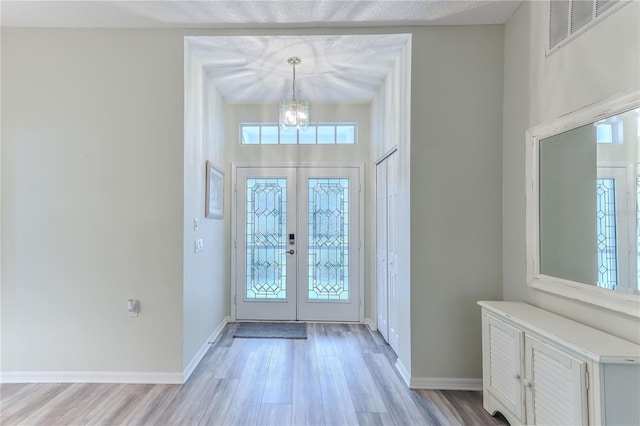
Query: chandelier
pixel 294 112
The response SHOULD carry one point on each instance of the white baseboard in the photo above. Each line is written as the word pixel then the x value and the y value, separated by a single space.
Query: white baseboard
pixel 203 350
pixel 404 373
pixel 444 383
pixel 372 325
pixel 128 377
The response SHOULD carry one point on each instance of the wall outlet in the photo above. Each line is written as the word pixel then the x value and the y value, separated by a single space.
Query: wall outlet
pixel 132 307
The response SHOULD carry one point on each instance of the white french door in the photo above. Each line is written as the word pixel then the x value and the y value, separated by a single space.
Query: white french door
pixel 297 248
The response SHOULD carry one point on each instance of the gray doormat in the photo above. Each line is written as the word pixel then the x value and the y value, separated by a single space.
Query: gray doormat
pixel 272 330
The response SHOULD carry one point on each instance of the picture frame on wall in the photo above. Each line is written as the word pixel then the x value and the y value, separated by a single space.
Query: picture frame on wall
pixel 214 200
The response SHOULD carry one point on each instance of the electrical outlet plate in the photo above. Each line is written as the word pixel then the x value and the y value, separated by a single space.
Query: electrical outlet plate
pixel 132 307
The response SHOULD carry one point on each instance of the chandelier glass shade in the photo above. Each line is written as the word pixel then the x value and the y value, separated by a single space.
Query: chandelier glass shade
pixel 294 112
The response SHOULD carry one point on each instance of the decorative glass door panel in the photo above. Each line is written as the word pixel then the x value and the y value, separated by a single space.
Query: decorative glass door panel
pixel 266 270
pixel 297 253
pixel 328 239
pixel 266 258
pixel 328 247
pixel 615 229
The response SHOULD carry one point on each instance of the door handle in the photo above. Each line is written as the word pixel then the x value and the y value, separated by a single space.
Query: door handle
pixel 292 251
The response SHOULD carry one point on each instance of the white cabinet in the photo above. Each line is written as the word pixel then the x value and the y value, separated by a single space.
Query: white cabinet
pixel 504 360
pixel 541 368
pixel 554 383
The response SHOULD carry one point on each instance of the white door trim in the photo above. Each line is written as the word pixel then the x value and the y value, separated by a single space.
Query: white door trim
pixel 361 171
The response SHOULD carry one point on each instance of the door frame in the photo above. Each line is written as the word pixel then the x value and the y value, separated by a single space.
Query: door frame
pixel 360 166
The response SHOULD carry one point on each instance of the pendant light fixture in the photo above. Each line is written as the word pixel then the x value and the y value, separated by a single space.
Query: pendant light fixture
pixel 294 112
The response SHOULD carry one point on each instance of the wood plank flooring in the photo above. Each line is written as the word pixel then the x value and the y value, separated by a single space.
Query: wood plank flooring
pixel 341 375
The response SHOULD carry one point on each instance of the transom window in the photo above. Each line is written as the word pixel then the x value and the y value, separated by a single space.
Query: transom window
pixel 610 130
pixel 316 134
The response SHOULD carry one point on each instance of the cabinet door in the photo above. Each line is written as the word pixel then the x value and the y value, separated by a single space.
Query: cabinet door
pixel 555 385
pixel 502 364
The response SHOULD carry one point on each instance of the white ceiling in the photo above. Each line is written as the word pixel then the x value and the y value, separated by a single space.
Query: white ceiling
pixel 253 13
pixel 334 68
pixel 253 69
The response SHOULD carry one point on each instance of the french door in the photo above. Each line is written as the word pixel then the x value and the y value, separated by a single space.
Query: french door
pixel 297 243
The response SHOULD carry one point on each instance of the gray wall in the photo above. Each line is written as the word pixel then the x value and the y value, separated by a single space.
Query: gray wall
pixel 92 200
pixel 456 110
pixel 95 209
pixel 600 63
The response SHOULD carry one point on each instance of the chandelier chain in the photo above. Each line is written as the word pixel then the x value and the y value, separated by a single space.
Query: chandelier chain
pixel 294 81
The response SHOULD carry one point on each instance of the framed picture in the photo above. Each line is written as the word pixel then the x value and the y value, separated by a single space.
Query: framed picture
pixel 214 200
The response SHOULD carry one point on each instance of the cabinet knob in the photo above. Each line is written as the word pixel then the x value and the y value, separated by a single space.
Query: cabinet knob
pixel 516 376
pixel 527 383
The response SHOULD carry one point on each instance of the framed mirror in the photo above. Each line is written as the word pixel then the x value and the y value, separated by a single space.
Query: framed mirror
pixel 583 205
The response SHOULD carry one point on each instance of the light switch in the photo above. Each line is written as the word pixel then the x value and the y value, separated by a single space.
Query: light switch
pixel 195 223
pixel 198 245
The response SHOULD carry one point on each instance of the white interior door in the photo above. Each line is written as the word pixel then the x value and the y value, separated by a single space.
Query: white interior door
pixel 381 250
pixel 387 249
pixel 297 243
pixel 392 248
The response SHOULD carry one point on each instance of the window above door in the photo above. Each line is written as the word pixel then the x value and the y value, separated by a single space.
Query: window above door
pixel 331 133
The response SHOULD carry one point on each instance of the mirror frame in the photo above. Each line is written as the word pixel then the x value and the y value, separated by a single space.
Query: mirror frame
pixel 625 303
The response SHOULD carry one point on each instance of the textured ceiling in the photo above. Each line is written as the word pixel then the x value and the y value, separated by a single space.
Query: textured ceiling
pixel 254 13
pixel 345 68
pixel 253 69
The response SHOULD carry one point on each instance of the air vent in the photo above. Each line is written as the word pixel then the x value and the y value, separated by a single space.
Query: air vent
pixel 570 18
pixel 581 15
pixel 604 5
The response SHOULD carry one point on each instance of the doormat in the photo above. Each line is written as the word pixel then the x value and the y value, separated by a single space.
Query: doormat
pixel 272 330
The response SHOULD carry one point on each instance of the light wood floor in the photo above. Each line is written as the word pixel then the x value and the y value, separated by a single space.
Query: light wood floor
pixel 341 375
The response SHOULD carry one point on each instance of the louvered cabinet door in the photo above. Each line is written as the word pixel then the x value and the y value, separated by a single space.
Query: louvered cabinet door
pixel 502 366
pixel 555 388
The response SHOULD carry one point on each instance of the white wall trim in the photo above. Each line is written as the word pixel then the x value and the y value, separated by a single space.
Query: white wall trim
pixel 444 383
pixel 404 373
pixel 371 324
pixel 128 377
pixel 203 350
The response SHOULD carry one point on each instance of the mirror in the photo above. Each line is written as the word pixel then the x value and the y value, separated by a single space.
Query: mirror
pixel 583 216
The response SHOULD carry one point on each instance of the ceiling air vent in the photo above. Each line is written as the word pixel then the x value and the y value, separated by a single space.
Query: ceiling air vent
pixel 570 18
pixel 604 5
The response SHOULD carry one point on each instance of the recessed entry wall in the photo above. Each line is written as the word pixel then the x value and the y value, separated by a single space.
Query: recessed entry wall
pixel 340 75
